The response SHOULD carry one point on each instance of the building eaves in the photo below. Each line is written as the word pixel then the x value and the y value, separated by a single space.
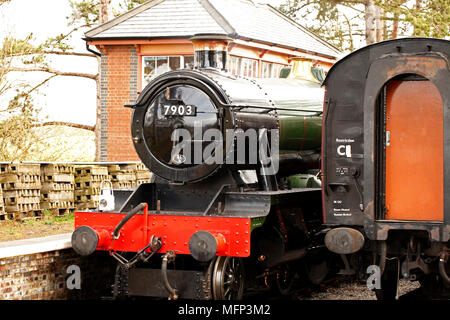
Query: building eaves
pixel 182 19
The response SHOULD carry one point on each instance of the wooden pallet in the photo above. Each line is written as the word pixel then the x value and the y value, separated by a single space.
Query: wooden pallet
pixel 13 201
pixel 87 191
pixel 21 193
pixel 57 204
pixel 61 211
pixel 143 175
pixel 51 169
pixel 2 206
pixel 87 198
pixel 141 167
pixel 124 185
pixel 119 177
pixel 122 168
pixel 91 178
pixel 87 205
pixel 20 185
pixel 22 207
pixel 91 170
pixel 21 168
pixel 27 215
pixel 57 196
pixel 59 177
pixel 54 186
pixel 6 216
pixel 87 184
pixel 17 178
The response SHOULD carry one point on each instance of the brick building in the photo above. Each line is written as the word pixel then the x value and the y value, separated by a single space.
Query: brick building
pixel 154 38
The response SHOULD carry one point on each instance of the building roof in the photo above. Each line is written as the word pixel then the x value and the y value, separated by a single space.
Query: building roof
pixel 239 19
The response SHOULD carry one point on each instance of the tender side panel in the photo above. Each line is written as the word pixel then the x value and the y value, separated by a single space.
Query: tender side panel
pixel 344 164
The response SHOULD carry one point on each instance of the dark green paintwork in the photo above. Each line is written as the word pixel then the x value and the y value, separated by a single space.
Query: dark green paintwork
pixel 304 181
pixel 300 132
pixel 257 222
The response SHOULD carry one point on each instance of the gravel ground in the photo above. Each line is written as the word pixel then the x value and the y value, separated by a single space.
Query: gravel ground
pixel 352 290
pixel 48 226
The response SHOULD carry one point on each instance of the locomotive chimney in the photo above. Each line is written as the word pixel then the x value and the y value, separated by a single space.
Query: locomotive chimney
pixel 210 51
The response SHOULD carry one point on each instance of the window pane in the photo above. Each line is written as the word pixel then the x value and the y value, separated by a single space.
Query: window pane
pixel 162 65
pixel 149 68
pixel 174 63
pixel 235 65
pixel 277 68
pixel 267 70
pixel 189 62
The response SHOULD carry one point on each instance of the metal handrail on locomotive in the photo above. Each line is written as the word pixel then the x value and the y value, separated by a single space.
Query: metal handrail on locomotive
pixel 236 162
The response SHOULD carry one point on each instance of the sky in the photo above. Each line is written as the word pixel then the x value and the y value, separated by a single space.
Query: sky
pixel 63 98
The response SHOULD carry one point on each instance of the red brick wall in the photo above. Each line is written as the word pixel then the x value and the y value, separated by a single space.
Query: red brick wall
pixel 43 276
pixel 118 87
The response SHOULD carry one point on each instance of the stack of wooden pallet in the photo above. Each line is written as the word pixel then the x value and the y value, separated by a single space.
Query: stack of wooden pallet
pixel 3 215
pixel 142 174
pixel 88 180
pixel 21 184
pixel 57 191
pixel 123 176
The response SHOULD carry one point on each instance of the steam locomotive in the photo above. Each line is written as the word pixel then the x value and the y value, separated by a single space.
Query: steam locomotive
pixel 236 203
pixel 385 162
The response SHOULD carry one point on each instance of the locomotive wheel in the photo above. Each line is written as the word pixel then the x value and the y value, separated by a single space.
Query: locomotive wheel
pixel 284 279
pixel 316 272
pixel 228 279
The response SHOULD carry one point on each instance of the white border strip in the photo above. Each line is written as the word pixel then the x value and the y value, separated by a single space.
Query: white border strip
pixel 36 245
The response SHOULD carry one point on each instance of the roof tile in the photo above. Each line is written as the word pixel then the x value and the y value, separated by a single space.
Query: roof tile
pixel 185 18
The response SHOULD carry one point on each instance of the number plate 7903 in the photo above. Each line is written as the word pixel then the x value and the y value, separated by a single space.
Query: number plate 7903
pixel 179 110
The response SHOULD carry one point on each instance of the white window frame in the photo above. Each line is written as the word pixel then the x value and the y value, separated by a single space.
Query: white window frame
pixel 249 62
pixel 274 67
pixel 182 64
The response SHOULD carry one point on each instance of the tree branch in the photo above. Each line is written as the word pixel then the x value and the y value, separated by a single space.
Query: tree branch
pixel 56 72
pixel 350 7
pixel 67 53
pixel 41 84
pixel 62 53
pixel 67 124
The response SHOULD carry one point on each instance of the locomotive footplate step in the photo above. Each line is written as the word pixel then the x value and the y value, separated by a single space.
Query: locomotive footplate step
pixel 189 284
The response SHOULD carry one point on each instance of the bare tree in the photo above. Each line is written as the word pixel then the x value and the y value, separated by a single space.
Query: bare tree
pixel 371 21
pixel 105 11
pixel 24 56
pixel 344 22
